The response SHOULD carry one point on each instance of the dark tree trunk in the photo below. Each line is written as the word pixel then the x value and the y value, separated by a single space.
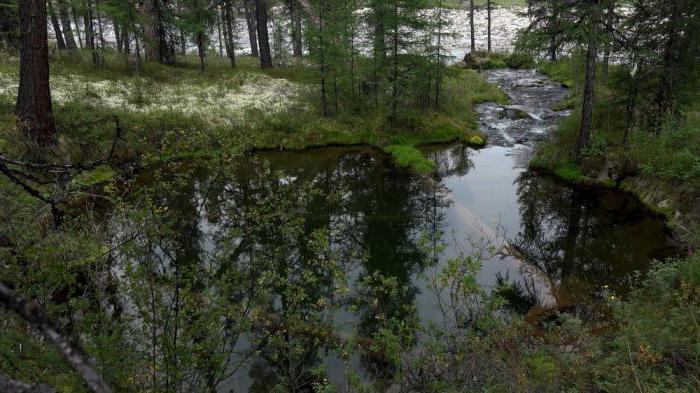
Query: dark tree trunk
pixel 472 39
pixel 34 94
pixel 201 50
pixel 126 40
pixel 65 23
pixel 553 37
pixel 76 19
pixel 295 20
pixel 395 64
pixel 183 43
pixel 664 97
pixel 263 38
pixel 157 47
pixel 56 27
pixel 90 33
pixel 379 43
pixel 588 88
pixel 218 31
pixel 228 27
pixel 99 25
pixel 488 23
pixel 608 41
pixel 249 10
pixel 324 100
pixel 118 37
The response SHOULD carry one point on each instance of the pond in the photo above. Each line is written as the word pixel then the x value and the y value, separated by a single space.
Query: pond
pixel 313 217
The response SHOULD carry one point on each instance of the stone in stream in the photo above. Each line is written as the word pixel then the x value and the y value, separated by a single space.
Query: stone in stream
pixel 513 113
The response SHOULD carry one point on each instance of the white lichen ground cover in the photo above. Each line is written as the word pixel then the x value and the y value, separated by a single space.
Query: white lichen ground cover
pixel 227 100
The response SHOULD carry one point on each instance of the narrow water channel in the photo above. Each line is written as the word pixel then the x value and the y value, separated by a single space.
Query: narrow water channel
pixel 558 243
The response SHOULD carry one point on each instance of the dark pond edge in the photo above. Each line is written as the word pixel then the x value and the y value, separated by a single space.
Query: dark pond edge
pixel 596 185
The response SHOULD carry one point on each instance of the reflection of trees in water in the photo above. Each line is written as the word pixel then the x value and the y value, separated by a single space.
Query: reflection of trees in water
pixel 271 241
pixel 582 238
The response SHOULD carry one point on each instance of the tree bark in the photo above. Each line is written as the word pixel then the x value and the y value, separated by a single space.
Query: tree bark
pixel 488 24
pixel 228 27
pixel 295 21
pixel 34 94
pixel 201 50
pixel 472 39
pixel 90 33
pixel 608 41
pixel 77 25
pixel 60 43
pixel 157 43
pixel 263 37
pixel 249 11
pixel 588 88
pixel 554 27
pixel 218 31
pixel 65 23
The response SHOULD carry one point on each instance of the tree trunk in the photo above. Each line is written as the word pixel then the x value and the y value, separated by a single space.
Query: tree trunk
pixel 263 38
pixel 472 39
pixel 664 97
pixel 295 21
pixel 157 42
pixel 608 40
pixel 34 94
pixel 126 40
pixel 218 31
pixel 118 36
pixel 228 27
pixel 200 49
pixel 395 64
pixel 588 88
pixel 60 43
pixel 553 37
pixel 249 10
pixel 77 25
pixel 324 100
pixel 99 25
pixel 65 23
pixel 90 33
pixel 488 24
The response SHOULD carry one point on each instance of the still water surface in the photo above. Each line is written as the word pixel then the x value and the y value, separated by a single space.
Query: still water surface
pixel 558 243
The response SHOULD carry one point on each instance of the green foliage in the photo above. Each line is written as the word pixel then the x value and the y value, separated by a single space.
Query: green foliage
pixel 408 156
pixel 561 71
pixel 519 60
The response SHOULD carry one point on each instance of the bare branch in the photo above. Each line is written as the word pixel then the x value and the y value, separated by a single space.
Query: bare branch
pixel 37 320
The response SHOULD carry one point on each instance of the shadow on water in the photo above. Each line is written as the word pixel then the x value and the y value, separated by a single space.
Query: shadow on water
pixel 331 238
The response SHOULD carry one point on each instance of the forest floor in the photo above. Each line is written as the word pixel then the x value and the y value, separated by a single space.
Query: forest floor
pixel 175 112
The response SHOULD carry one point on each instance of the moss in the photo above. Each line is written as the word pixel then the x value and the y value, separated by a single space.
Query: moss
pixel 477 141
pixel 99 175
pixel 410 157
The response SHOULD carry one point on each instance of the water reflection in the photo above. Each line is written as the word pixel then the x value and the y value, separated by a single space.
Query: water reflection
pixel 299 254
pixel 584 238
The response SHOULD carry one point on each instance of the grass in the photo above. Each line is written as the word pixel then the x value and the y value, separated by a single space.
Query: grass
pixel 661 166
pixel 461 4
pixel 175 112
pixel 409 156
pixel 495 60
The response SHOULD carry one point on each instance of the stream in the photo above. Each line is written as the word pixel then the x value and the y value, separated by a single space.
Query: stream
pixel 558 244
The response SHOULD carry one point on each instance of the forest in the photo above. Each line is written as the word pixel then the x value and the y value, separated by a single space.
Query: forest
pixel 349 196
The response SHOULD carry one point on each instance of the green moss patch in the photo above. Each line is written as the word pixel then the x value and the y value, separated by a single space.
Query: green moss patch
pixel 410 157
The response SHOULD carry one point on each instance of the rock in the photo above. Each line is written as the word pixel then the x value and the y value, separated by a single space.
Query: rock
pixel 513 113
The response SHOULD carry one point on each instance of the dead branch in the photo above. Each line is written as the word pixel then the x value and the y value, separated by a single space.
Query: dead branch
pixel 37 320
